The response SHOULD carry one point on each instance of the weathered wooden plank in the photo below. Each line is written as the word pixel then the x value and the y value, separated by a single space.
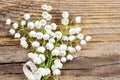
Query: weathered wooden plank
pixel 13 77
pixel 22 77
pixel 101 49
pixel 107 66
pixel 104 71
pixel 95 9
pixel 12 54
pixel 89 78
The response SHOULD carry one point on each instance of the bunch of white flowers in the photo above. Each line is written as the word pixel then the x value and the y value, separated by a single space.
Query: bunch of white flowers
pixel 51 44
pixel 37 58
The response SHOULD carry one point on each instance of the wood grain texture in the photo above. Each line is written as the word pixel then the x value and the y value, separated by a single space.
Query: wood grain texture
pixel 98 60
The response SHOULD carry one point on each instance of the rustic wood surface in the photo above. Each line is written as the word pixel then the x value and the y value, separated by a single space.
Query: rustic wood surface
pixel 99 60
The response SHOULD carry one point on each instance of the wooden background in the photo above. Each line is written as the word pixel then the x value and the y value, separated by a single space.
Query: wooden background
pixel 99 60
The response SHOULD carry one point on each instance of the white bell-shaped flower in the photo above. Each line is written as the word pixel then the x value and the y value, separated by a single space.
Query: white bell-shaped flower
pixel 26 16
pixel 8 21
pixel 37 24
pixel 65 38
pixel 42 57
pixel 88 38
pixel 65 21
pixel 15 25
pixel 55 52
pixel 58 34
pixel 43 22
pixel 32 34
pixel 41 49
pixel 24 44
pixel 46 36
pixel 35 44
pixel 72 31
pixel 56 72
pixel 17 35
pixel 65 14
pixel 63 47
pixel 78 19
pixel 83 42
pixel 49 46
pixel 12 31
pixel 23 23
pixel 78 48
pixel 37 60
pixel 53 26
pixel 39 35
pixel 80 36
pixel 72 38
pixel 30 25
pixel 63 59
pixel 69 57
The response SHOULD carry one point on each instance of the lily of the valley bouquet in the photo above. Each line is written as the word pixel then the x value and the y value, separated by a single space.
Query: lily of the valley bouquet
pixel 50 44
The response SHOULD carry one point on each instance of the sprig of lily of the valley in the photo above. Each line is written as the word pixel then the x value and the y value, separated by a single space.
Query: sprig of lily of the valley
pixel 52 44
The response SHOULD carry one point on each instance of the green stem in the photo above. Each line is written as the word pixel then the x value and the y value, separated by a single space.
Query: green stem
pixel 49 61
pixel 44 43
pixel 61 30
pixel 44 78
pixel 72 21
pixel 54 77
pixel 66 28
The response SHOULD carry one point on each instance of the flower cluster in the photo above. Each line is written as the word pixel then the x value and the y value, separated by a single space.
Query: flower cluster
pixel 52 44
